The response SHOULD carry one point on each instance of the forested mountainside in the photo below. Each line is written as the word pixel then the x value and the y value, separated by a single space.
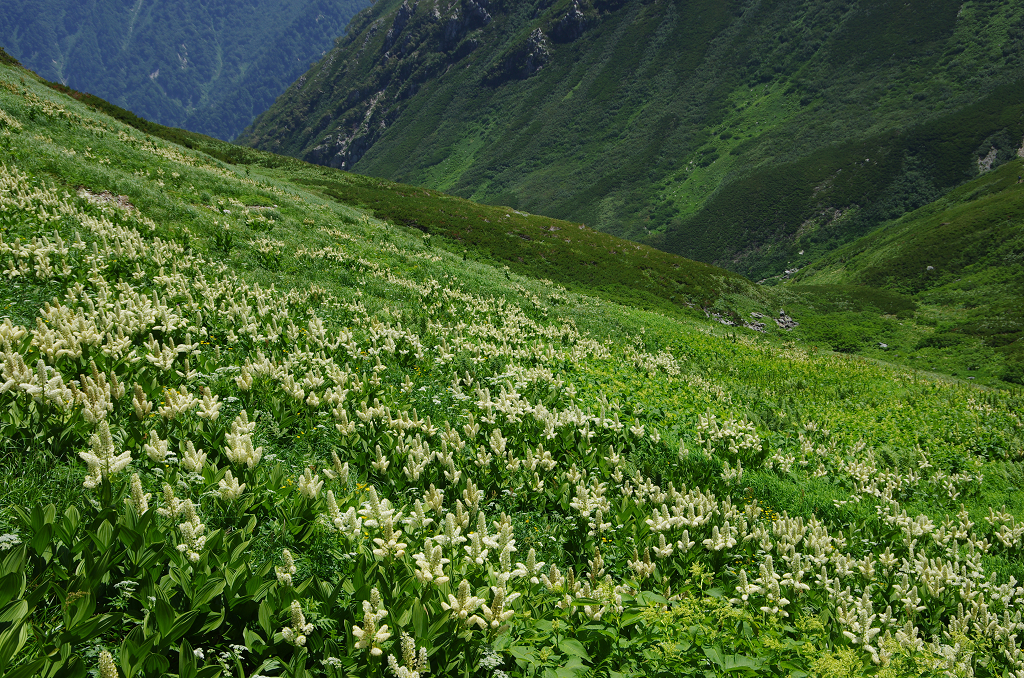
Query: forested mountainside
pixel 208 66
pixel 740 133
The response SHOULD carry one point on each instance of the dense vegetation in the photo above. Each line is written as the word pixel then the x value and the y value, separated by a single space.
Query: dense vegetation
pixel 959 260
pixel 206 66
pixel 860 319
pixel 246 429
pixel 738 133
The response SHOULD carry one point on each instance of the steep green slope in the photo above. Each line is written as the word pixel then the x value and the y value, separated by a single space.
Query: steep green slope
pixel 705 128
pixel 207 66
pixel 567 253
pixel 959 258
pixel 249 430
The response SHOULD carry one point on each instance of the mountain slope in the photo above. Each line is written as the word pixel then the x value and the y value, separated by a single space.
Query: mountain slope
pixel 959 256
pixel 207 66
pixel 567 253
pixel 248 429
pixel 634 117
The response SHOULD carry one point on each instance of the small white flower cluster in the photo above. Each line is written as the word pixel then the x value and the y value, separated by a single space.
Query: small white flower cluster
pixel 136 499
pixel 101 458
pixel 462 606
pixel 372 633
pixel 413 664
pixel 230 489
pixel 193 532
pixel 285 571
pixel 297 632
pixel 9 540
pixel 239 449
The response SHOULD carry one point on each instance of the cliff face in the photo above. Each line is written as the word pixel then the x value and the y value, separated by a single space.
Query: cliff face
pixel 738 132
pixel 335 113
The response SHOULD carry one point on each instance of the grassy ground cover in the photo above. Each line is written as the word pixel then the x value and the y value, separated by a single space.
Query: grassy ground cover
pixel 247 429
pixel 955 263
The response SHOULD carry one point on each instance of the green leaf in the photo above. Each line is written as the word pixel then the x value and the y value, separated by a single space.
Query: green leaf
pixel 89 628
pixel 42 539
pixel 186 660
pixel 11 585
pixel 14 562
pixel 134 651
pixel 253 640
pixel 103 535
pixel 297 667
pixel 213 622
pixel 419 621
pixel 732 662
pixel 28 670
pixel 405 617
pixel 14 612
pixel 181 626
pixel 164 614
pixel 11 642
pixel 68 527
pixel 156 665
pixel 630 618
pixel 212 589
pixel 573 647
pixel 523 652
pixel 264 619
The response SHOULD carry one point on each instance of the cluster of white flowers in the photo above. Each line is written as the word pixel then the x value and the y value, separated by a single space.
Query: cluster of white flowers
pixel 517 424
pixel 102 459
pixel 239 449
pixel 413 664
pixel 372 633
pixel 297 632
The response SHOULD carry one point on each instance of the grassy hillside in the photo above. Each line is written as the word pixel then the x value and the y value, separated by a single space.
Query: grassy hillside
pixel 248 429
pixel 564 252
pixel 207 66
pixel 739 133
pixel 958 259
pixel 856 319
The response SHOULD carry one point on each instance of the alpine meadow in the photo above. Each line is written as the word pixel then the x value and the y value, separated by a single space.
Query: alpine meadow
pixel 260 417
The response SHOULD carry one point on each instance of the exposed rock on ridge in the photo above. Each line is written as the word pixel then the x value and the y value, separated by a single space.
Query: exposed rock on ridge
pixel 381 69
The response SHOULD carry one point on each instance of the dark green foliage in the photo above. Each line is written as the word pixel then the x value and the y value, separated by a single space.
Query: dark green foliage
pixel 757 224
pixel 737 133
pixel 570 254
pixel 960 257
pixel 209 66
pixel 7 60
pixel 834 298
pixel 567 253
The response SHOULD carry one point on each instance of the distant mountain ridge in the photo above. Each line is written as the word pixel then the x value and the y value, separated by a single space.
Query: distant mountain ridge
pixel 209 66
pixel 635 117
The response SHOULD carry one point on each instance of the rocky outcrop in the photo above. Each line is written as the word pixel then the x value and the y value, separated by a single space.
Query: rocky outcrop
pixel 571 26
pixel 340 150
pixel 521 62
pixel 785 322
pixel 456 25
pixel 407 58
pixel 985 162
pixel 401 21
